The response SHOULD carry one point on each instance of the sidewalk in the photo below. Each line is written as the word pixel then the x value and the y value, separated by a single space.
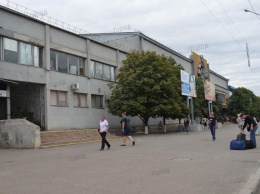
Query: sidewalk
pixel 171 163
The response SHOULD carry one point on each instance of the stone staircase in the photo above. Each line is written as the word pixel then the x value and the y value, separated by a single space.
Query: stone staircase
pixel 70 137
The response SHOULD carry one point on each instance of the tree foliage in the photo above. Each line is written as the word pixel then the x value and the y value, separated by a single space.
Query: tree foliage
pixel 244 101
pixel 199 103
pixel 148 85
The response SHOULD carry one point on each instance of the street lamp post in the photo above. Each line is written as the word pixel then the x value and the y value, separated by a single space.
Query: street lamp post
pixel 246 10
pixel 203 74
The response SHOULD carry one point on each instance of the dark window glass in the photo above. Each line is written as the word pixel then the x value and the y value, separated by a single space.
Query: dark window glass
pixel 62 63
pixel 81 67
pixel 53 61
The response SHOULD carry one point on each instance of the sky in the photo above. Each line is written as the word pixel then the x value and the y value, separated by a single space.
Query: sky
pixel 216 29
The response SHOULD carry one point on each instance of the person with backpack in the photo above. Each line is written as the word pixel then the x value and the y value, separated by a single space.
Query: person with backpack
pixel 252 126
pixel 213 124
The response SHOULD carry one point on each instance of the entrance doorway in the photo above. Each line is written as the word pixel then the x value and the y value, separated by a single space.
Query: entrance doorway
pixel 3 103
pixel 27 101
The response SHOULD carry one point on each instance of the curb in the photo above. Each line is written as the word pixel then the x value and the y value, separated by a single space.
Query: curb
pixel 252 185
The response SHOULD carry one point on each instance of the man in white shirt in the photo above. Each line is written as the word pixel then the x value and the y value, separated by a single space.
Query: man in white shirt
pixel 103 128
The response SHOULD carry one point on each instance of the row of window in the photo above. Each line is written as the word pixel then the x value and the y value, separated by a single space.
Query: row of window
pixel 66 63
pixel 20 52
pixel 102 71
pixel 59 98
pixel 26 54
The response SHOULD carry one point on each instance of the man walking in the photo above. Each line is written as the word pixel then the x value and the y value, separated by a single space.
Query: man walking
pixel 125 123
pixel 213 123
pixel 186 125
pixel 248 120
pixel 103 128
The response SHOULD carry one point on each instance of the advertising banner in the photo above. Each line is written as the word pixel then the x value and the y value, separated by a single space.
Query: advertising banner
pixel 210 91
pixel 185 85
pixel 188 86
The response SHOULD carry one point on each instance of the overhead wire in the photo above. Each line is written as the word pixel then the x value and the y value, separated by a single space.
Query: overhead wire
pixel 223 26
pixel 235 28
pixel 253 9
pixel 231 23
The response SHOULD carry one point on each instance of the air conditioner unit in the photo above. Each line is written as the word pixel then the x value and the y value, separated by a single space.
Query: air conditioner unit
pixel 75 86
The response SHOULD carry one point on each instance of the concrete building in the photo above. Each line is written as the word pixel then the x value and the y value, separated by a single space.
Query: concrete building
pixel 58 79
pixel 221 84
pixel 140 42
pixel 55 78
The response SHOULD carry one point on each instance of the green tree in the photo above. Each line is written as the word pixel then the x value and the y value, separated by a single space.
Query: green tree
pixel 243 101
pixel 148 85
pixel 199 103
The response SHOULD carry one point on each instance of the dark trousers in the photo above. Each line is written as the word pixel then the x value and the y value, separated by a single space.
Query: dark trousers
pixel 213 131
pixel 104 141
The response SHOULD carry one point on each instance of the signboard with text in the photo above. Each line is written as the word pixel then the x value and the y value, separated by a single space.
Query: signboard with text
pixel 188 85
pixel 2 93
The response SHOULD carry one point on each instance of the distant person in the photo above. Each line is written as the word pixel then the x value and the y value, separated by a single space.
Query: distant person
pixel 213 123
pixel 204 122
pixel 186 125
pixel 125 123
pixel 103 128
pixel 160 125
pixel 252 126
pixel 240 123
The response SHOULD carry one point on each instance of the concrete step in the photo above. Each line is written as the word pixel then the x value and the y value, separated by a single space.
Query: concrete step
pixel 68 137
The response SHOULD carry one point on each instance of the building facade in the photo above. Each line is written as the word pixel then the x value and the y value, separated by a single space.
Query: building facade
pixel 58 79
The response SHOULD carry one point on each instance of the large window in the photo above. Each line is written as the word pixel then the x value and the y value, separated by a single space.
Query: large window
pixel 97 101
pixel 36 56
pixel 102 71
pixel 73 64
pixel 53 60
pixel 10 50
pixel 62 63
pixel 28 54
pixel 79 100
pixel 59 98
pixel 66 63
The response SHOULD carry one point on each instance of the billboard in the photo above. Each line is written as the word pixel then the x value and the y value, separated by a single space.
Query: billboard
pixel 210 91
pixel 197 61
pixel 188 85
pixel 222 98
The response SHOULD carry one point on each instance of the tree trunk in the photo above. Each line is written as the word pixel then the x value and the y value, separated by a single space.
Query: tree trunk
pixel 144 120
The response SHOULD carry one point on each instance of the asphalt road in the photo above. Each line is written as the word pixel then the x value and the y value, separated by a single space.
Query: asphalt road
pixel 171 163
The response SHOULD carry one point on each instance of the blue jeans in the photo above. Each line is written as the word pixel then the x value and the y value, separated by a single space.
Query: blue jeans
pixel 213 131
pixel 186 128
pixel 252 134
